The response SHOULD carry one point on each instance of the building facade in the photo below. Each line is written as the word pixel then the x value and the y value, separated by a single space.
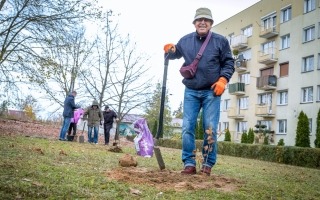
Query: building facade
pixel 276 45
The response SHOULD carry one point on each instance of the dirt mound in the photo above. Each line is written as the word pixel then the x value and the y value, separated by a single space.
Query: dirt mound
pixel 168 180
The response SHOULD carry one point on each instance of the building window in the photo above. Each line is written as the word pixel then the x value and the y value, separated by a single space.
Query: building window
pixel 225 126
pixel 307 64
pixel 268 48
pixel 283 97
pixel 229 37
pixel 309 5
pixel 244 78
pixel 284 69
pixel 308 34
pixel 268 124
pixel 241 127
pixel 269 23
pixel 247 31
pixel 226 104
pixel 319 61
pixel 318 92
pixel 247 54
pixel 244 103
pixel 286 14
pixel 282 126
pixel 265 98
pixel 285 41
pixel 307 94
pixel 310 125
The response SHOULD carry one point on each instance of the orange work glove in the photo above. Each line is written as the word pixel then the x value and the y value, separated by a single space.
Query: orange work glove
pixel 219 86
pixel 169 48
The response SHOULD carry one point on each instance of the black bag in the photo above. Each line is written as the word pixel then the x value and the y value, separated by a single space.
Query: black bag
pixel 190 70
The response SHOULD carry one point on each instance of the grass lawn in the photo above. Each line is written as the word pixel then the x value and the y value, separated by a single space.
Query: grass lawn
pixel 35 168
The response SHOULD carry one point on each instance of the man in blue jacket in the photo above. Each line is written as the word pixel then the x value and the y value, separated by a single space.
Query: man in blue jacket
pixel 68 110
pixel 204 90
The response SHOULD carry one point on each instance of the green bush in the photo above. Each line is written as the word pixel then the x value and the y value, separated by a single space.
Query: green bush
pixel 244 137
pixel 227 136
pixel 302 133
pixel 281 142
pixel 317 140
pixel 299 156
pixel 250 136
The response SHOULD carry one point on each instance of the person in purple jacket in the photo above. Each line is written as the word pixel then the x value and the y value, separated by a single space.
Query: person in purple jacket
pixel 74 121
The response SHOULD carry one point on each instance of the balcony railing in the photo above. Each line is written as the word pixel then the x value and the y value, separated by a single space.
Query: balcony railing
pixel 239 42
pixel 264 110
pixel 269 32
pixel 268 56
pixel 236 113
pixel 240 66
pixel 268 82
pixel 237 88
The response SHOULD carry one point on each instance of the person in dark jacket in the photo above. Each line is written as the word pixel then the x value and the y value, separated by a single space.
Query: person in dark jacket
pixel 108 119
pixel 94 117
pixel 69 107
pixel 204 90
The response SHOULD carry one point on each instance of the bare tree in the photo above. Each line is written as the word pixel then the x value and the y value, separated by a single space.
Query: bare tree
pixel 29 26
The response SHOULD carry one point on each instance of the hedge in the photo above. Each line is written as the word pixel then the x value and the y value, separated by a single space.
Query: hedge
pixel 298 156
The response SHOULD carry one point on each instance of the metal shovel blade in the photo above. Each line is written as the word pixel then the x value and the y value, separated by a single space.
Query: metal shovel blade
pixel 158 155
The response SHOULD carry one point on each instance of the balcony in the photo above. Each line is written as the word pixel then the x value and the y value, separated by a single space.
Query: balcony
pixel 236 113
pixel 239 42
pixel 269 32
pixel 268 82
pixel 240 66
pixel 268 56
pixel 237 89
pixel 265 110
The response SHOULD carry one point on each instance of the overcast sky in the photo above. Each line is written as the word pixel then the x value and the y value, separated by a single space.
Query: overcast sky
pixel 153 23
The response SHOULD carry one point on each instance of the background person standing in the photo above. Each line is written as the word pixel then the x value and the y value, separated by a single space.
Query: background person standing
pixel 108 117
pixel 204 90
pixel 68 109
pixel 94 117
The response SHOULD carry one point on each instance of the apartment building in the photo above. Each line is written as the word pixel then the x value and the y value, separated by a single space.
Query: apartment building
pixel 277 47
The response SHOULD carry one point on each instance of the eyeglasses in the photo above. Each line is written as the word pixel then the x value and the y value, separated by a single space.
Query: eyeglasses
pixel 203 19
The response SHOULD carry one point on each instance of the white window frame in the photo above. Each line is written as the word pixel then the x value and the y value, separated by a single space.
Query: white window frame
pixel 318 59
pixel 268 124
pixel 310 125
pixel 285 41
pixel 247 31
pixel 243 103
pixel 244 78
pixel 269 21
pixel 268 48
pixel 265 98
pixel 242 126
pixel 225 126
pixel 226 104
pixel 286 14
pixel 309 33
pixel 283 97
pixel 307 94
pixel 229 37
pixel 309 5
pixel 318 93
pixel 307 64
pixel 247 54
pixel 282 126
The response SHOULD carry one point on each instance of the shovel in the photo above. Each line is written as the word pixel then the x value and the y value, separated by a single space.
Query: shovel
pixel 156 149
pixel 81 137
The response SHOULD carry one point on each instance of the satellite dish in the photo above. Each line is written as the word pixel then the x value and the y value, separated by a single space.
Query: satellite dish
pixel 272 80
pixel 238 63
pixel 240 57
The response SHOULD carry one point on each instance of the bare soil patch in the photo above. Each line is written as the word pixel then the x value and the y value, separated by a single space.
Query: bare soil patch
pixel 168 180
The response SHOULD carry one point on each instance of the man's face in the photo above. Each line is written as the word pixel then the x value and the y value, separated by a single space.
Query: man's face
pixel 203 26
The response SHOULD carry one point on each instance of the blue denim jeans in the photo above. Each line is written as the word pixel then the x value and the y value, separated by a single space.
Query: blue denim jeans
pixel 95 134
pixel 194 100
pixel 64 128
